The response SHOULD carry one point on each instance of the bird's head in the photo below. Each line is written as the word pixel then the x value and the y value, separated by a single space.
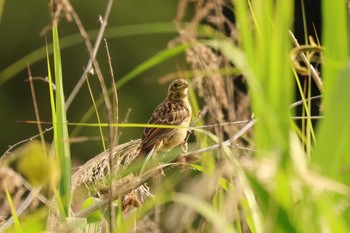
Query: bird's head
pixel 178 89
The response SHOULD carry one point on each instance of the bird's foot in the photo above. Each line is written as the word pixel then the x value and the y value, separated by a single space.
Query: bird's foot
pixel 181 161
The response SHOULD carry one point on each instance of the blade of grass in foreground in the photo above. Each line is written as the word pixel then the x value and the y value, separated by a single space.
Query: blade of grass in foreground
pixel 332 150
pixel 332 146
pixel 333 137
pixel 62 149
pixel 264 63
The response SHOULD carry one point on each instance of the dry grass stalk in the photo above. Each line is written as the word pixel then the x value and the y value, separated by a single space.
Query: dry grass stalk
pixel 226 102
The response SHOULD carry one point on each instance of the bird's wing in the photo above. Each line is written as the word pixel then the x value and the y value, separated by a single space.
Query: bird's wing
pixel 166 113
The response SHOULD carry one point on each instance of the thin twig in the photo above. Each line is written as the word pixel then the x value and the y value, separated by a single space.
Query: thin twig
pixel 115 105
pixel 113 134
pixel 92 51
pixel 198 117
pixel 225 143
pixel 307 117
pixel 36 110
pixel 120 132
pixel 126 118
pixel 307 99
pixel 45 80
pixel 21 142
pixel 94 61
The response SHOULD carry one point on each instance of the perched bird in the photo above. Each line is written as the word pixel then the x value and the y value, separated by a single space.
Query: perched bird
pixel 174 110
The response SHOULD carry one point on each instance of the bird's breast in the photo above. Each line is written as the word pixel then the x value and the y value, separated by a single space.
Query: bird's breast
pixel 177 136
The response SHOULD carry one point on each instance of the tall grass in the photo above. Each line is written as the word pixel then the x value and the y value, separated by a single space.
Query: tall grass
pixel 266 45
pixel 336 80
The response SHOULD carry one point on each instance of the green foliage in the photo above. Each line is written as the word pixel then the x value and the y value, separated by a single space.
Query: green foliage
pixel 59 120
pixel 331 151
pixel 336 73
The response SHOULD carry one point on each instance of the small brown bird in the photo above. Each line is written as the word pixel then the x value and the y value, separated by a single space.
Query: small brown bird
pixel 174 110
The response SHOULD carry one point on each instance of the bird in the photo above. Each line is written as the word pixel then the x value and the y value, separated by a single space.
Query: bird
pixel 174 110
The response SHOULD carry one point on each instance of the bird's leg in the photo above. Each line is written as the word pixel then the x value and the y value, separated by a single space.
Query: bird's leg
pixel 161 171
pixel 182 159
pixel 184 147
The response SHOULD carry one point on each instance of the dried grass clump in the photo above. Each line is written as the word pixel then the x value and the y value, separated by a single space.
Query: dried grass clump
pixel 226 101
pixel 94 175
pixel 95 178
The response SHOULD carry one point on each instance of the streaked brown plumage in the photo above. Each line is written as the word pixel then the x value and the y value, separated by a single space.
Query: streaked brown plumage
pixel 174 110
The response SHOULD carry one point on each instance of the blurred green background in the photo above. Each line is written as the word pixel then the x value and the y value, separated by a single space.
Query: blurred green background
pixel 20 27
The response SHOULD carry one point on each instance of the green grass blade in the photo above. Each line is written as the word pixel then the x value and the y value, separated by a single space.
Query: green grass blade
pixel 335 43
pixel 60 128
pixel 51 91
pixel 334 131
pixel 333 134
pixel 245 27
pixel 153 61
pixel 13 211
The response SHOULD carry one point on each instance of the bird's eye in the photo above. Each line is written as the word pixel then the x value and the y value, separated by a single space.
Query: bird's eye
pixel 175 85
